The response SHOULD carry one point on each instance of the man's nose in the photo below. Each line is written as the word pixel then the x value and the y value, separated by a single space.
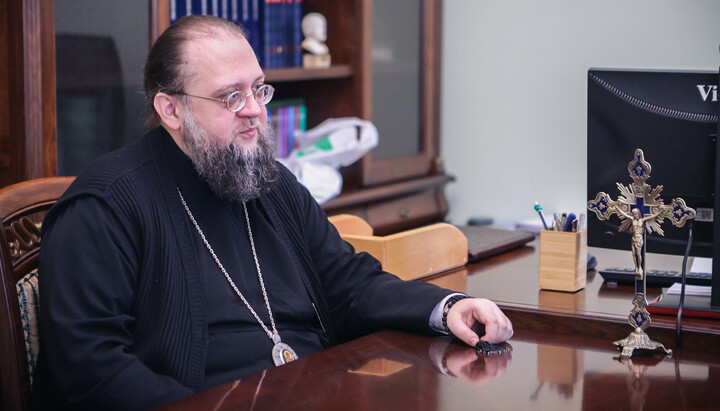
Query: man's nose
pixel 251 108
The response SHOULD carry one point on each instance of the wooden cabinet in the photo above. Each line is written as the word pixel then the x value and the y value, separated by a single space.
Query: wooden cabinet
pixel 372 42
pixel 27 91
pixel 401 183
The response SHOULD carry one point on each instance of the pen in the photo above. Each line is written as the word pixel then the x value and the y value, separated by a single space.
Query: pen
pixel 569 222
pixel 581 222
pixel 542 217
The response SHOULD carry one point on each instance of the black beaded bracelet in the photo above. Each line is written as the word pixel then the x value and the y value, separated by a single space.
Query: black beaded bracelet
pixel 450 302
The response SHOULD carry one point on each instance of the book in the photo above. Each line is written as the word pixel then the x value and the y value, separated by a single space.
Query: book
pixel 273 27
pixel 292 33
pixel 297 35
pixel 286 117
pixel 265 14
pixel 182 8
pixel 690 289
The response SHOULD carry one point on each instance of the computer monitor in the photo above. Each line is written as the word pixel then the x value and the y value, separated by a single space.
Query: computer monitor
pixel 673 117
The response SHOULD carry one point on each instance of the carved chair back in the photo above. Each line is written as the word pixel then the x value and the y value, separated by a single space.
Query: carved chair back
pixel 22 209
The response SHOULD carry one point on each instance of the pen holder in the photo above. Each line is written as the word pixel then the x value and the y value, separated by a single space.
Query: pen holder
pixel 563 260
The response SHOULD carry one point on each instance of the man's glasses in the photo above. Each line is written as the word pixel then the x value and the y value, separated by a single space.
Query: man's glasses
pixel 235 101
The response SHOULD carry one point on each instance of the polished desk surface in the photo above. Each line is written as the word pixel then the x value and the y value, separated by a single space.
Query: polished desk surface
pixel 391 370
pixel 562 357
pixel 598 311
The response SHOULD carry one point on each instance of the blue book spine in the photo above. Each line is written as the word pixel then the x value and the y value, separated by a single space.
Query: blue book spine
pixel 179 9
pixel 264 32
pixel 250 18
pixel 242 15
pixel 282 118
pixel 287 33
pixel 271 22
pixel 292 121
pixel 173 11
pixel 235 13
pixel 284 140
pixel 280 24
pixel 270 27
pixel 297 33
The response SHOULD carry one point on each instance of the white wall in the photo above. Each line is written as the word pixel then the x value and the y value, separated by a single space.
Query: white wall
pixel 514 90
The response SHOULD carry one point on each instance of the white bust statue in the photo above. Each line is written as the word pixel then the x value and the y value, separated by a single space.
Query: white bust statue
pixel 314 28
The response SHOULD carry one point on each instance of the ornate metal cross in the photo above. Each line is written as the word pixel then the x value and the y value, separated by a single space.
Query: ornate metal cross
pixel 641 210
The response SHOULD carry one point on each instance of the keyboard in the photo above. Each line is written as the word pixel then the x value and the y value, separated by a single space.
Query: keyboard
pixel 655 278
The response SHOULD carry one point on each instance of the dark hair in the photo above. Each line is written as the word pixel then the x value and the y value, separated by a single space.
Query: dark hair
pixel 167 55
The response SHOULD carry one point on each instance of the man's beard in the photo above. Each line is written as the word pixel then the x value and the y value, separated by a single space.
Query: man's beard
pixel 231 171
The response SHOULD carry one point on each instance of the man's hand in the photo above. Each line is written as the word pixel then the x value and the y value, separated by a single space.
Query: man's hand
pixel 464 313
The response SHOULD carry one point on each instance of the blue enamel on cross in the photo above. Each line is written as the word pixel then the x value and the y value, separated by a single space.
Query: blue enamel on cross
pixel 641 210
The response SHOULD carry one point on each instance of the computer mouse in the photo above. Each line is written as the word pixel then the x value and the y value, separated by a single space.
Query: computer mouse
pixel 591 262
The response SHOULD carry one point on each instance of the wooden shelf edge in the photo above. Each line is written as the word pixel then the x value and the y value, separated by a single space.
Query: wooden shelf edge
pixel 302 74
pixel 370 194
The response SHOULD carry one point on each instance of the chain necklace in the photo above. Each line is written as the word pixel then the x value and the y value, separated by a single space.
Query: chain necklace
pixel 281 352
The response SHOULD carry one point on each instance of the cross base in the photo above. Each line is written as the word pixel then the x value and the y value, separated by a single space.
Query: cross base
pixel 638 340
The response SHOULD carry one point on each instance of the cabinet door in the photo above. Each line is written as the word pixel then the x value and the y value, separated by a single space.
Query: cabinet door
pixel 405 59
pixel 100 51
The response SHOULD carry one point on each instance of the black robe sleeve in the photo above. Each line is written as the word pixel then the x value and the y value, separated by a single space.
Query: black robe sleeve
pixel 87 283
pixel 362 298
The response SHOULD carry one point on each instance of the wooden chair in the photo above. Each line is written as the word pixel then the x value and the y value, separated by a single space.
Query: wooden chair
pixel 22 208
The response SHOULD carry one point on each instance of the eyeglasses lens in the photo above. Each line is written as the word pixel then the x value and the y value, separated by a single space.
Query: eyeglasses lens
pixel 236 100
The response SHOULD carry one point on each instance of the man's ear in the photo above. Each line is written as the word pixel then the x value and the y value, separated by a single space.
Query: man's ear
pixel 169 110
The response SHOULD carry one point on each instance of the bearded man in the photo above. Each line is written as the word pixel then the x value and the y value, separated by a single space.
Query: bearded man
pixel 191 258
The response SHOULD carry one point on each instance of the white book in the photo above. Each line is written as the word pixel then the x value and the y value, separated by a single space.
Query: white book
pixel 699 290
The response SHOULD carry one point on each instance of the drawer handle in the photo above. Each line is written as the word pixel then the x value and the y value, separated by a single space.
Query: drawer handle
pixel 404 212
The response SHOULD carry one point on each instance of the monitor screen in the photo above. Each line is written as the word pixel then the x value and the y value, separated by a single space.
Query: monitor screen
pixel 672 116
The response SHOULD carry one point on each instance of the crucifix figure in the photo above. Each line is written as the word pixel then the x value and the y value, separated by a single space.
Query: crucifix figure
pixel 641 210
pixel 638 236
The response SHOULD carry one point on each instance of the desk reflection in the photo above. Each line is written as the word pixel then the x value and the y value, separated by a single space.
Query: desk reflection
pixel 458 360
pixel 394 370
pixel 455 280
pixel 560 367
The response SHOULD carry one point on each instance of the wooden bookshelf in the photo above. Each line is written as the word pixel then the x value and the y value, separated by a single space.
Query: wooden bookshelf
pixel 390 193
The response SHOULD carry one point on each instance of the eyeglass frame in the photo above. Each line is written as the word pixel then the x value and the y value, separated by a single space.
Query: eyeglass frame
pixel 271 92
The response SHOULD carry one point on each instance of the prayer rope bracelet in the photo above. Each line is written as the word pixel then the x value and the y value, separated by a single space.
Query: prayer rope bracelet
pixel 450 302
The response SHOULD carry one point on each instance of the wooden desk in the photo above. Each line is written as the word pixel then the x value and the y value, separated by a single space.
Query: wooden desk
pixel 544 371
pixel 598 311
pixel 562 357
